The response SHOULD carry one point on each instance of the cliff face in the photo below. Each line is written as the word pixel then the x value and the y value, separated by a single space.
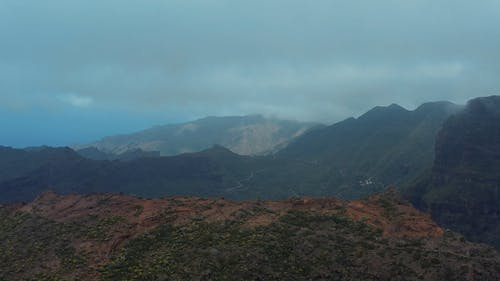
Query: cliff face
pixel 463 189
pixel 470 142
pixel 116 237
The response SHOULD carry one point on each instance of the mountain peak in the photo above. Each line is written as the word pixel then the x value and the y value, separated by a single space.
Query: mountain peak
pixel 219 150
pixel 384 112
pixel 484 105
pixel 395 106
pixel 438 106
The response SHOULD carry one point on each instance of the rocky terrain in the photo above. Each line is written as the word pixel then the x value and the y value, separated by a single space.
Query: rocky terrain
pixel 118 237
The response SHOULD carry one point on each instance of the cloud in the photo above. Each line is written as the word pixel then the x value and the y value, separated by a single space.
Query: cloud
pixel 319 60
pixel 76 100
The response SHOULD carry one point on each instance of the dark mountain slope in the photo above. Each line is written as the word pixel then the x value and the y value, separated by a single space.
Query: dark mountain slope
pixel 113 237
pixel 208 173
pixel 462 191
pixel 386 145
pixel 18 162
pixel 213 172
pixel 96 154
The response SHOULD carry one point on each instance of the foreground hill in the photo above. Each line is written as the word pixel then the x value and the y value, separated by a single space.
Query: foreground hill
pixel 463 190
pixel 245 135
pixel 385 146
pixel 115 237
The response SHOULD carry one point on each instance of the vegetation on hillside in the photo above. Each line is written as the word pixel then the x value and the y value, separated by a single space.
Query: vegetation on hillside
pixel 112 237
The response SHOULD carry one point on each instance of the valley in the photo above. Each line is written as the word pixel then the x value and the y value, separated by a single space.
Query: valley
pixel 323 196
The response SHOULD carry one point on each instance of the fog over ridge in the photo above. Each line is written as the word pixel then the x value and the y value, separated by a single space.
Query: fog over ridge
pixel 70 64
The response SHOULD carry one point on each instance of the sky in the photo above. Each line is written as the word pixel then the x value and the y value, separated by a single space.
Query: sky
pixel 75 71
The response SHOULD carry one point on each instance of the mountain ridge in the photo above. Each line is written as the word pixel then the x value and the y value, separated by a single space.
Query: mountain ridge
pixel 461 190
pixel 386 145
pixel 246 135
pixel 350 159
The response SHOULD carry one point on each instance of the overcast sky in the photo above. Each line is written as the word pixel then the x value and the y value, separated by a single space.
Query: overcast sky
pixel 73 71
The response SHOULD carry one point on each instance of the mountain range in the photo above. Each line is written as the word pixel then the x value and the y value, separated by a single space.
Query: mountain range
pixel 442 157
pixel 350 159
pixel 385 146
pixel 244 135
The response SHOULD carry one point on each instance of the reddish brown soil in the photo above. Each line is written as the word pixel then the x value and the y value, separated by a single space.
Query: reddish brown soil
pixel 397 220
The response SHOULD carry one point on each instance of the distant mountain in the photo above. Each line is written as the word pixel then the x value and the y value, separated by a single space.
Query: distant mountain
pixel 385 146
pixel 118 237
pixel 462 191
pixel 245 135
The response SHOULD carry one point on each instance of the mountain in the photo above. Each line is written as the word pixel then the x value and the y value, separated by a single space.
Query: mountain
pixel 117 237
pixel 245 135
pixel 26 174
pixel 96 154
pixel 385 146
pixel 350 159
pixel 15 163
pixel 462 191
pixel 215 172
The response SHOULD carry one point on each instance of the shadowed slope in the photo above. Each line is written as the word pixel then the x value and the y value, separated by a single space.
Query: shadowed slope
pixel 463 190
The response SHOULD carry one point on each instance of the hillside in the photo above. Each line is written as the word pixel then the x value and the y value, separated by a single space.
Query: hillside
pixel 17 162
pixel 462 191
pixel 26 174
pixel 215 172
pixel 116 237
pixel 132 154
pixel 385 146
pixel 245 135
